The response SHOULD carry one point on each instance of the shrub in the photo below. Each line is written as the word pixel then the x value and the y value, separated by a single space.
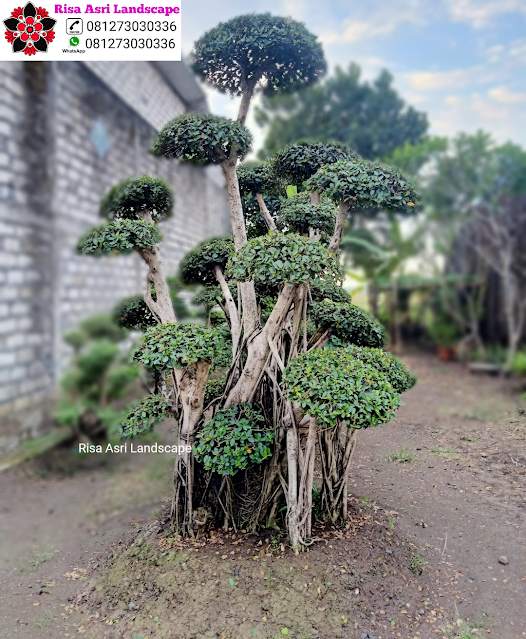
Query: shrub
pixel 278 259
pixel 176 346
pixel 119 236
pixel 232 439
pixel 143 415
pixel 332 386
pixel 198 265
pixel 201 138
pixel 349 323
pixel 145 193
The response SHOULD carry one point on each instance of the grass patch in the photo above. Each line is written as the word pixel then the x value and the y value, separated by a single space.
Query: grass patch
pixel 445 453
pixel 417 564
pixel 468 438
pixel 37 558
pixel 402 455
pixel 464 630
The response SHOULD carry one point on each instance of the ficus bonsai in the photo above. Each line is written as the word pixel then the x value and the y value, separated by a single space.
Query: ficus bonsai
pixel 297 368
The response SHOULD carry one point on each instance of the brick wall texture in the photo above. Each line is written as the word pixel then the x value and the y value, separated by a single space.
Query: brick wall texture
pixel 68 132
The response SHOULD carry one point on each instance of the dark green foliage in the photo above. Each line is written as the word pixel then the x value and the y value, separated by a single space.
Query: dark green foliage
pixel 92 365
pixel 328 290
pixel 397 373
pixel 366 184
pixel 119 236
pixel 198 265
pixel 254 221
pixel 277 259
pixel 217 318
pixel 232 439
pixel 368 117
pixel 349 322
pixel 297 162
pixel 102 326
pixel 223 355
pixel 258 178
pixel 143 416
pixel 144 193
pixel 299 215
pixel 240 52
pixel 119 380
pixel 168 346
pixel 211 296
pixel 202 138
pixel 214 388
pixel 133 313
pixel 332 386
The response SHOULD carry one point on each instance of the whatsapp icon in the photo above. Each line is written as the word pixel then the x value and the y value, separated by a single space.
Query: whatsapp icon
pixel 74 42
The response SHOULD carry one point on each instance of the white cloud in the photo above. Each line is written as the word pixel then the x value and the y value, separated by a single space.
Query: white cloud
pixel 505 96
pixel 480 13
pixel 378 21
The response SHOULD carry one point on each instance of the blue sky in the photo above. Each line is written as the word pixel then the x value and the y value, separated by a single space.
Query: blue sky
pixel 461 61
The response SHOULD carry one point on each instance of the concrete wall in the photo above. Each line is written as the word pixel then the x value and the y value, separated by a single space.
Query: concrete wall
pixel 68 132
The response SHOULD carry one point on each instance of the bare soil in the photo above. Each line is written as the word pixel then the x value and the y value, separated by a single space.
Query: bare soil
pixel 86 551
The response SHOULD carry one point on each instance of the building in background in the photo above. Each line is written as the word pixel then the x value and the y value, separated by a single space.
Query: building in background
pixel 68 132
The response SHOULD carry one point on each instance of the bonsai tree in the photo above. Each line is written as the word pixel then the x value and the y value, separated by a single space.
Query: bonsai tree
pixel 304 366
pixel 98 376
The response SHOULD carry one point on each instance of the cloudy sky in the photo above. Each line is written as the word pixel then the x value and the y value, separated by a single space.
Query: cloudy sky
pixel 461 61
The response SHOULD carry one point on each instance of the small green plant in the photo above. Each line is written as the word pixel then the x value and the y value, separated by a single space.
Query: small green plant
pixel 468 438
pixel 391 523
pixel 402 455
pixel 365 501
pixel 446 453
pixel 417 564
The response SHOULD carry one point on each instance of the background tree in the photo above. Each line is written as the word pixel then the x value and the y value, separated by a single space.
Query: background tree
pixel 254 443
pixel 370 118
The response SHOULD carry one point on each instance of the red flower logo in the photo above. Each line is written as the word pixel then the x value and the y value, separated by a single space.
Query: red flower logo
pixel 29 29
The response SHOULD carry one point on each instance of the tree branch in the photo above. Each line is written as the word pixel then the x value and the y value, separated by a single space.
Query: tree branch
pixel 341 218
pixel 265 213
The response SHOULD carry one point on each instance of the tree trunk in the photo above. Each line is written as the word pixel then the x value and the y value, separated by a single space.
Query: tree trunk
pixel 265 213
pixel 341 218
pixel 162 306
pixel 235 326
pixel 259 349
pixel 248 293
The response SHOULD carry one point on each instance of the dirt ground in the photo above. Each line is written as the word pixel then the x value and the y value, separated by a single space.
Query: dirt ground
pixel 440 491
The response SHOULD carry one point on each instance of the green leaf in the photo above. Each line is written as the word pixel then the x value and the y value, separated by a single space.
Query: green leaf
pixel 231 581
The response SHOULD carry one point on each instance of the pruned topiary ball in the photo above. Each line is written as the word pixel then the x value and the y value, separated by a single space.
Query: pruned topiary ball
pixel 348 322
pixel 279 52
pixel 297 162
pixel 329 290
pixel 133 313
pixel 366 184
pixel 177 345
pixel 299 215
pixel 197 266
pixel 258 178
pixel 135 195
pixel 201 138
pixel 332 386
pixel 399 374
pixel 119 236
pixel 279 259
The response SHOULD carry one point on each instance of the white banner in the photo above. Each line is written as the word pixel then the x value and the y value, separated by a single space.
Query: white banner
pixel 128 31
